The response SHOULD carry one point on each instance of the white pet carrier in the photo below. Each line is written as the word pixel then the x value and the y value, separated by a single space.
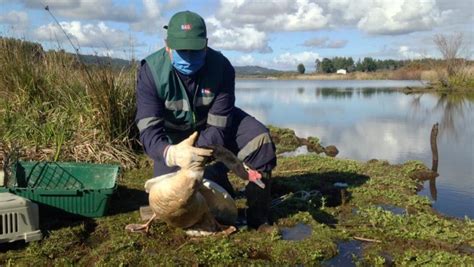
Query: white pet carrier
pixel 19 219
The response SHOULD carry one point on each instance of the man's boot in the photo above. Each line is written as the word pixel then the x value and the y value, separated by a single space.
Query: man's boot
pixel 258 202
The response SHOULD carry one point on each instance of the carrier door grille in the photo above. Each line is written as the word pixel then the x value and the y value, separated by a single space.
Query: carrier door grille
pixel 8 223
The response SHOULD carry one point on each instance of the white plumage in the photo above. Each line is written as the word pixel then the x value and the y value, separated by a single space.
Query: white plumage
pixel 184 199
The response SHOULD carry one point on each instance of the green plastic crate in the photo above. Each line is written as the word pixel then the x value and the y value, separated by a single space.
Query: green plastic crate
pixel 77 188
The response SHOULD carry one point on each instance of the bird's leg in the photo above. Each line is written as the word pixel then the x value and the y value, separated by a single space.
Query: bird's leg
pixel 143 228
pixel 225 230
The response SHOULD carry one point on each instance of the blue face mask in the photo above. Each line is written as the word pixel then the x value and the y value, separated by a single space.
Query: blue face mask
pixel 188 61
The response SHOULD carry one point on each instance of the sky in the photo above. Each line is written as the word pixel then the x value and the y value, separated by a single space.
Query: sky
pixel 276 34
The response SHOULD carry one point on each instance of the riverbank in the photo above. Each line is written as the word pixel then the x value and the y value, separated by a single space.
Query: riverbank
pixel 380 205
pixel 379 75
pixel 431 78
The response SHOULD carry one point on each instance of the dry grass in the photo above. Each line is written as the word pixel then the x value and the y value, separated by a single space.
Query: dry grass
pixel 56 108
pixel 462 80
pixel 429 75
pixel 400 74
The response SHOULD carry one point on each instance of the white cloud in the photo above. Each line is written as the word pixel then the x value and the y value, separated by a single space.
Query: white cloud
pixel 316 42
pixel 17 19
pixel 325 42
pixel 370 16
pixel 242 12
pixel 151 20
pixel 406 53
pixel 273 15
pixel 172 4
pixel 288 61
pixel 245 38
pixel 245 60
pixel 306 16
pixel 460 11
pixel 85 35
pixel 337 44
pixel 398 17
pixel 146 18
pixel 387 17
pixel 105 10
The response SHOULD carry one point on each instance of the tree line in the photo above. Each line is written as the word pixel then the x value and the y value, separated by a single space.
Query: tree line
pixel 367 64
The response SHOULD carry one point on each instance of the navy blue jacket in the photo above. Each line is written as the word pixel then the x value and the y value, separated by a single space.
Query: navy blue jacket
pixel 154 138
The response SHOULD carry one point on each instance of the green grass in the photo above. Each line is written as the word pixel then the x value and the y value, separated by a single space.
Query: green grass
pixel 421 237
pixel 286 140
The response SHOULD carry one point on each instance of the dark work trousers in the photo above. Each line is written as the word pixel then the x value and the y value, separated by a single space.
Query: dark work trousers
pixel 250 141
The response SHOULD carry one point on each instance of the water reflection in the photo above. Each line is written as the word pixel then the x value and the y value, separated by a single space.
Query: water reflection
pixel 334 92
pixel 452 108
pixel 348 252
pixel 452 111
pixel 435 160
pixel 296 233
pixel 348 92
pixel 433 189
pixel 368 92
pixel 368 119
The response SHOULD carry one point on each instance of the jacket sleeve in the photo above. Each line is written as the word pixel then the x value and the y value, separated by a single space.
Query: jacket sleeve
pixel 219 119
pixel 150 114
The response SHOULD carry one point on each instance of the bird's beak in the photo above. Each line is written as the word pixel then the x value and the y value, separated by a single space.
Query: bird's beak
pixel 254 177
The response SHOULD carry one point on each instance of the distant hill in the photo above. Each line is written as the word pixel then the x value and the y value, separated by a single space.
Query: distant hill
pixel 254 70
pixel 105 60
pixel 118 63
pixel 122 63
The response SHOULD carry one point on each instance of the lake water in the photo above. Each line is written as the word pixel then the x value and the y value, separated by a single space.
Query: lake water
pixel 369 119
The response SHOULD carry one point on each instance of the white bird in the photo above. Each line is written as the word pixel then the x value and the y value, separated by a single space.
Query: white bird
pixel 182 200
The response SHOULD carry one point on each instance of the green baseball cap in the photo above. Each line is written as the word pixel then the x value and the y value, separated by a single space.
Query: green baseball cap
pixel 186 31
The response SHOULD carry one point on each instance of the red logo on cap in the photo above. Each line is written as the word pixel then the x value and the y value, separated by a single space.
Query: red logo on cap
pixel 186 27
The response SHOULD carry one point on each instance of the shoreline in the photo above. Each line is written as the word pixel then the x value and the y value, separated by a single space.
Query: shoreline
pixel 427 85
pixel 378 75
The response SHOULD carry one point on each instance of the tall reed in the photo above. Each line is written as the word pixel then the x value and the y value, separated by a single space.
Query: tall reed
pixel 60 109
